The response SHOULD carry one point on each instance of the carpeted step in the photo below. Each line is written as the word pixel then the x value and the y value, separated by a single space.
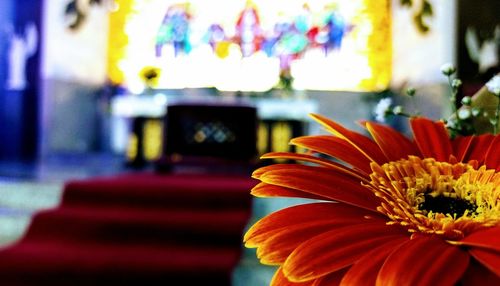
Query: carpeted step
pixel 56 263
pixel 123 225
pixel 135 229
pixel 156 190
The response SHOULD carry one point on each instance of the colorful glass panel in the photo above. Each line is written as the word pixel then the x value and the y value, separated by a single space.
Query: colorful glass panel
pixel 246 45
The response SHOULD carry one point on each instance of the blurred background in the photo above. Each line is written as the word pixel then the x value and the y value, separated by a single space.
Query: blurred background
pixel 85 84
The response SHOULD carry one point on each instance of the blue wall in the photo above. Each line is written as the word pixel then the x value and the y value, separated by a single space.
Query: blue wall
pixel 6 19
pixel 19 106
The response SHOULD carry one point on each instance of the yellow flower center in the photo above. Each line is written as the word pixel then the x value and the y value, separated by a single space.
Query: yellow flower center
pixel 441 198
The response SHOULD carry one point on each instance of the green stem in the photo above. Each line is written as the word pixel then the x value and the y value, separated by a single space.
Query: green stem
pixel 404 114
pixel 414 106
pixel 497 115
pixel 453 100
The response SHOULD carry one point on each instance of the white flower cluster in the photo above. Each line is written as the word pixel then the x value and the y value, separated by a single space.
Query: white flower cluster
pixel 493 85
pixel 382 109
pixel 448 69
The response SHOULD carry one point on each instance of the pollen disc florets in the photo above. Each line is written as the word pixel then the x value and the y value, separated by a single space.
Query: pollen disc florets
pixel 439 198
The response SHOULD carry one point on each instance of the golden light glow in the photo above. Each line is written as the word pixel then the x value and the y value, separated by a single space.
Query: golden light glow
pixel 262 138
pixel 118 40
pixel 152 139
pixel 132 147
pixel 379 45
pixel 281 135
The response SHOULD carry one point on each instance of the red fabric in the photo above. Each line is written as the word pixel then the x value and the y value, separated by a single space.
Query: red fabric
pixel 151 190
pixel 135 229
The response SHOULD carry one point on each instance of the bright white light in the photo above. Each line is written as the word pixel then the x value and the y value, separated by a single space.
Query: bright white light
pixel 136 87
pixel 160 99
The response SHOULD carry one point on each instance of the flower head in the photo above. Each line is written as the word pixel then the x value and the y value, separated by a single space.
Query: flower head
pixel 464 113
pixel 398 109
pixel 394 212
pixel 382 109
pixel 493 85
pixel 411 91
pixel 150 75
pixel 456 83
pixel 467 100
pixel 448 69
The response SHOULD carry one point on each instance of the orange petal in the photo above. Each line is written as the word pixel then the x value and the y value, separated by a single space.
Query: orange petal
pixel 262 170
pixel 312 212
pixel 323 182
pixel 490 259
pixel 334 250
pixel 263 190
pixel 477 274
pixel 432 138
pixel 332 279
pixel 365 270
pixel 460 146
pixel 317 160
pixel 393 144
pixel 362 143
pixel 486 238
pixel 478 147
pixel 492 160
pixel 279 279
pixel 424 260
pixel 276 248
pixel 335 147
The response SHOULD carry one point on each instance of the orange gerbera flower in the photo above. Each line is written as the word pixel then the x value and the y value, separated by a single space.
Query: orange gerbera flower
pixel 422 212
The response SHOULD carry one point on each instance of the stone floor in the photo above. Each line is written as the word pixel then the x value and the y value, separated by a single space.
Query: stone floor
pixel 19 200
pixel 28 187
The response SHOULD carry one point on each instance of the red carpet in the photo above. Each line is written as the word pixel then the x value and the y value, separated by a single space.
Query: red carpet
pixel 137 229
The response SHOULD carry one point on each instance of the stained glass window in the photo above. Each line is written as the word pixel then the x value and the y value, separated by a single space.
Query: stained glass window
pixel 247 45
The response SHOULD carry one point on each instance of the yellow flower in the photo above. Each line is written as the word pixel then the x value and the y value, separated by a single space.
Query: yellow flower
pixel 150 75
